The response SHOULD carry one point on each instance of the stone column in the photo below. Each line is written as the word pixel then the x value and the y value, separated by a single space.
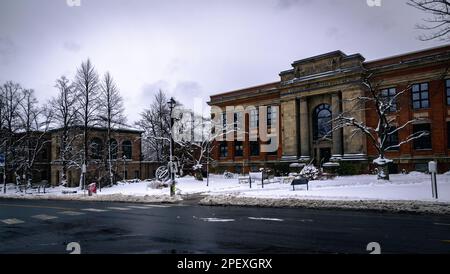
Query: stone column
pixel 289 130
pixel 336 106
pixel 304 130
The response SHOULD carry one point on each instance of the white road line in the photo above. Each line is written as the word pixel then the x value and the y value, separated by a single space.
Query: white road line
pixel 266 219
pixel 12 221
pixel 442 224
pixel 163 206
pixel 71 213
pixel 214 220
pixel 95 210
pixel 119 208
pixel 138 207
pixel 44 217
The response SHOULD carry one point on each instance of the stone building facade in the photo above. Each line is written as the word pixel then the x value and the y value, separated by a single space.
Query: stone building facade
pixel 316 89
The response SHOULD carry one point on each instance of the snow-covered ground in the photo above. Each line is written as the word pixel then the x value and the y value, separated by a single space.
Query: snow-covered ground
pixel 414 186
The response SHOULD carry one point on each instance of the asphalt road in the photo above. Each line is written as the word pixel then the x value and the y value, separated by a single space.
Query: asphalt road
pixel 48 226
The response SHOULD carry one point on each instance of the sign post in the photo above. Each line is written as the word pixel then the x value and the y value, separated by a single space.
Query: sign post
pixel 432 168
pixel 2 166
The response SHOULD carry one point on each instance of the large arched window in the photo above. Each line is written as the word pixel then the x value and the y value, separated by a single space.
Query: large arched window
pixel 96 148
pixel 114 148
pixel 127 149
pixel 322 121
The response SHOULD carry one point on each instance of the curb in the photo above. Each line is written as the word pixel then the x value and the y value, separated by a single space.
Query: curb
pixel 407 206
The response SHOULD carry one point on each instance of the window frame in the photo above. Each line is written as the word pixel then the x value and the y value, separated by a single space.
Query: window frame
pixel 317 110
pixel 388 96
pixel 420 92
pixel 417 143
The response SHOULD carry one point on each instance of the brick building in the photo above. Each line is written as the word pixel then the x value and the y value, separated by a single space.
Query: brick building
pixel 125 142
pixel 315 89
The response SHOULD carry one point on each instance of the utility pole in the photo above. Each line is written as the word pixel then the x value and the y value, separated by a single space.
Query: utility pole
pixel 171 104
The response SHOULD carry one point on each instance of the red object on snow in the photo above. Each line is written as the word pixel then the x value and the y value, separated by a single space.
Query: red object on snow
pixel 92 188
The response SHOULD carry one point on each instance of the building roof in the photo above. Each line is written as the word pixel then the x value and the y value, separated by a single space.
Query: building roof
pixel 120 130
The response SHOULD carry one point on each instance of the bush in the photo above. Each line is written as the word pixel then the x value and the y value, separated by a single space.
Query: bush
pixel 310 172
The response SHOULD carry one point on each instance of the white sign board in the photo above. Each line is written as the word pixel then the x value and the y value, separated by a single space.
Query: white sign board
pixel 432 167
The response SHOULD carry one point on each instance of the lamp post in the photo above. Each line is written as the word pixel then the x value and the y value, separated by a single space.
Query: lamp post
pixel 124 157
pixel 171 104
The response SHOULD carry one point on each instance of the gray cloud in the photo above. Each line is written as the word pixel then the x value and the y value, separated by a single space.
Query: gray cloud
pixel 191 48
pixel 72 46
pixel 7 50
pixel 286 4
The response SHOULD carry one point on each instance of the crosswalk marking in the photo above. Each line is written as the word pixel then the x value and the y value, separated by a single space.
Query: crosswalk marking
pixel 95 210
pixel 44 217
pixel 71 213
pixel 138 207
pixel 12 221
pixel 119 208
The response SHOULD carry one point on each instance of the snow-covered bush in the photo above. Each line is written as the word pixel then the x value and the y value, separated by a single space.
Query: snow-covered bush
pixel 310 172
pixel 228 175
pixel 157 185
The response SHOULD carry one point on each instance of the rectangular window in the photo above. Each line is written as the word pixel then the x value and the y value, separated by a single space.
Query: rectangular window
pixel 420 96
pixel 423 142
pixel 136 174
pixel 254 148
pixel 447 91
pixel 388 96
pixel 223 150
pixel 392 139
pixel 271 115
pixel 238 121
pixel 239 149
pixel 254 118
pixel 224 122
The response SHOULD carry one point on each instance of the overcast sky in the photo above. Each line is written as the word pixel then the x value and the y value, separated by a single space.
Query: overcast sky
pixel 191 47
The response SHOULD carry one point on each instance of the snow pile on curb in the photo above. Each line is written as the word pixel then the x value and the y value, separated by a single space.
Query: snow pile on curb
pixel 100 198
pixel 373 205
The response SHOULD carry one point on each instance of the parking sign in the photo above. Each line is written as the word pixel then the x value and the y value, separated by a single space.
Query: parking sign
pixel 2 160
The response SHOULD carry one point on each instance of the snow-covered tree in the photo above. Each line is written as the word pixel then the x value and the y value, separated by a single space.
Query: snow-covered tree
pixel 12 96
pixel 111 116
pixel 387 124
pixel 34 122
pixel 155 122
pixel 87 87
pixel 64 108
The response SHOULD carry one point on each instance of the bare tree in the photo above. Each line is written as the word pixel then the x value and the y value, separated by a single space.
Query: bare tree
pixel 34 122
pixel 87 86
pixel 65 119
pixel 155 122
pixel 12 96
pixel 111 114
pixel 439 23
pixel 387 125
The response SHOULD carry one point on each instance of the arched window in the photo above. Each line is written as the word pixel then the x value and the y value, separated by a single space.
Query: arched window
pixel 127 149
pixel 322 121
pixel 96 148
pixel 114 148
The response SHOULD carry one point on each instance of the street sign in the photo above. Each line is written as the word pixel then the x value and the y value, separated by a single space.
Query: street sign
pixel 2 160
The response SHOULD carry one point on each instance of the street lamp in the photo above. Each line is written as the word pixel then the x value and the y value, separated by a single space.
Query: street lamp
pixel 171 104
pixel 124 157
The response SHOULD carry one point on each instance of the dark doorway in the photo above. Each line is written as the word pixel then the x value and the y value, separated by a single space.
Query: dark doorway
pixel 325 155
